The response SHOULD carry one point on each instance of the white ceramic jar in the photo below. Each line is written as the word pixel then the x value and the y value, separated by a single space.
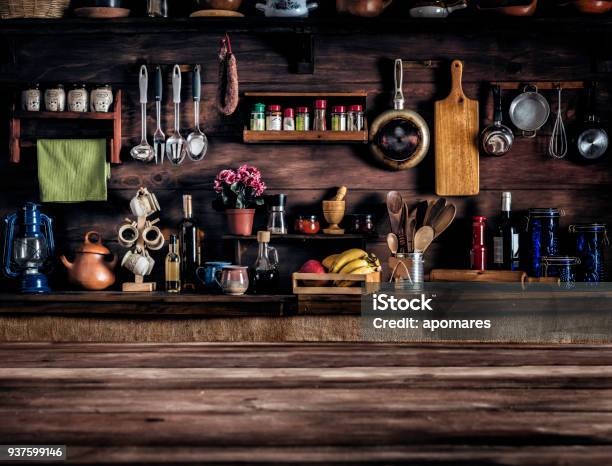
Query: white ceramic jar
pixel 30 99
pixel 55 99
pixel 78 99
pixel 101 99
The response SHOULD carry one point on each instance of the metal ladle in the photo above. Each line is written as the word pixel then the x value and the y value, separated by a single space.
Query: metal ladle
pixel 197 142
pixel 175 144
pixel 143 151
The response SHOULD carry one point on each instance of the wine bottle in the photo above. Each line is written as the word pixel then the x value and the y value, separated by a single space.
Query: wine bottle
pixel 189 245
pixel 173 267
pixel 506 238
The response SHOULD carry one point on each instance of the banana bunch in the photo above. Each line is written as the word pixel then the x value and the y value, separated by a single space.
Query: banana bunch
pixel 352 261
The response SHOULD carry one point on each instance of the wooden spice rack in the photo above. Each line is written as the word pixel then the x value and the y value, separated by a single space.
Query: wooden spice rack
pixel 16 143
pixel 306 99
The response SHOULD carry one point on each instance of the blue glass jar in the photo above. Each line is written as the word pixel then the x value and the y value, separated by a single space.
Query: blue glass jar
pixel 591 241
pixel 543 232
pixel 562 267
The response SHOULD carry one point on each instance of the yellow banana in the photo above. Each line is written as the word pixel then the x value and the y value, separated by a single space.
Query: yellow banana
pixel 328 262
pixel 346 257
pixel 359 271
pixel 354 265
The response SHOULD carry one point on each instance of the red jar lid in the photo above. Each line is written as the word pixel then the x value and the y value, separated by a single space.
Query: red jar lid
pixel 339 109
pixel 320 104
pixel 274 108
pixel 289 112
pixel 356 108
pixel 479 218
pixel 302 109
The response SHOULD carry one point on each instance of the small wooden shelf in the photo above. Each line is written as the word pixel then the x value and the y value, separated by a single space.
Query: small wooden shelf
pixel 64 115
pixel 361 94
pixel 301 237
pixel 255 137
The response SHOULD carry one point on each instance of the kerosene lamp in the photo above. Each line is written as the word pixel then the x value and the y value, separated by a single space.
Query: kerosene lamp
pixel 28 244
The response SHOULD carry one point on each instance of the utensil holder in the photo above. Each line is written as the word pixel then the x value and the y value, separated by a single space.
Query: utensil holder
pixel 407 270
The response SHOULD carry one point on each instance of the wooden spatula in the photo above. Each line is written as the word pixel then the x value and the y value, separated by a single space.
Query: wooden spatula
pixel 456 132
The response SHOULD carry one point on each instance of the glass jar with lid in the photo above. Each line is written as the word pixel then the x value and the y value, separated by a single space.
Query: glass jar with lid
pixel 338 118
pixel 302 119
pixel 562 267
pixel 591 242
pixel 274 118
pixel 320 117
pixel 355 120
pixel 258 118
pixel 310 225
pixel 543 233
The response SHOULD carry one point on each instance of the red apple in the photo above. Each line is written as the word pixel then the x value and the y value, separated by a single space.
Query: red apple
pixel 313 266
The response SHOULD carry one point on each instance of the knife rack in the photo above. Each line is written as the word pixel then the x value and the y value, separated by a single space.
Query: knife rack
pixel 16 143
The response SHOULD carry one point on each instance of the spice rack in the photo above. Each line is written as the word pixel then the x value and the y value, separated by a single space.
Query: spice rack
pixel 16 143
pixel 306 99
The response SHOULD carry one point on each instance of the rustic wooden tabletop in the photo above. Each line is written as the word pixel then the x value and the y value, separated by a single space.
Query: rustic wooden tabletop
pixel 310 403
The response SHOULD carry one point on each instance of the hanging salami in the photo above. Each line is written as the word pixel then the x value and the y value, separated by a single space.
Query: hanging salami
pixel 227 90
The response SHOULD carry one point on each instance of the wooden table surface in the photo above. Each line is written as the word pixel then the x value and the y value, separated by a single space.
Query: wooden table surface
pixel 310 403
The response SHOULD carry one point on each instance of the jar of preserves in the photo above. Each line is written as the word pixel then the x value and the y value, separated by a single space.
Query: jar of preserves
pixel 562 267
pixel 258 118
pixel 78 98
pixel 366 225
pixel 320 117
pixel 355 119
pixel 55 99
pixel 101 98
pixel 274 118
pixel 338 118
pixel 302 119
pixel 478 254
pixel 543 232
pixel 30 99
pixel 591 242
pixel 298 224
pixel 311 225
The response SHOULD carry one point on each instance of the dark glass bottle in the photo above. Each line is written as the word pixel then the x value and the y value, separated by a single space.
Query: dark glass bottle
pixel 188 242
pixel 506 238
pixel 265 270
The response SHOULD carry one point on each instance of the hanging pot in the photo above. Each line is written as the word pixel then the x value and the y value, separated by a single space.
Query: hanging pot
pixel 591 139
pixel 497 139
pixel 529 111
pixel 399 138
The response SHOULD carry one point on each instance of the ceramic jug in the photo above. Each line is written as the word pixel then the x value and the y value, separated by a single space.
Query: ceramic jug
pixel 93 265
pixel 286 8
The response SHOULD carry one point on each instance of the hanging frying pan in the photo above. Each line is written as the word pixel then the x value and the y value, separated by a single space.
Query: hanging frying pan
pixel 399 138
pixel 592 140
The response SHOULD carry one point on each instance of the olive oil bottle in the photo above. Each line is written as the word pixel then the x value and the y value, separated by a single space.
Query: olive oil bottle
pixel 173 267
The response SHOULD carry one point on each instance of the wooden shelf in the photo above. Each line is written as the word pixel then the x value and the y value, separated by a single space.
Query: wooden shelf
pixel 64 115
pixel 301 237
pixel 259 137
pixel 360 94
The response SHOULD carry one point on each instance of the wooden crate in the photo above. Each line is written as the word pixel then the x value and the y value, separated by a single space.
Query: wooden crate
pixel 360 279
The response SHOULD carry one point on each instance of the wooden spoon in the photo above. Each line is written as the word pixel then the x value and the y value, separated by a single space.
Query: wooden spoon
pixel 392 242
pixel 444 219
pixel 420 212
pixel 434 211
pixel 406 226
pixel 395 205
pixel 423 238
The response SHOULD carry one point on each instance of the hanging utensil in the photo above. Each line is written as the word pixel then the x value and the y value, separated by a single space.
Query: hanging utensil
pixel 176 144
pixel 159 138
pixel 197 142
pixel 399 138
pixel 557 146
pixel 395 205
pixel 592 141
pixel 497 139
pixel 143 151
pixel 529 111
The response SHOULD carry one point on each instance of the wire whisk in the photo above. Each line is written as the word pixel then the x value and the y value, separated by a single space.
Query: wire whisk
pixel 557 148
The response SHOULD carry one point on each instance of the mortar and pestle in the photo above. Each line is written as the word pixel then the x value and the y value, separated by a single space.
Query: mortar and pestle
pixel 333 211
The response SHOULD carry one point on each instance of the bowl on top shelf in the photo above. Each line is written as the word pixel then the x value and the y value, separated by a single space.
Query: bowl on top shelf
pixel 364 8
pixel 103 9
pixel 217 8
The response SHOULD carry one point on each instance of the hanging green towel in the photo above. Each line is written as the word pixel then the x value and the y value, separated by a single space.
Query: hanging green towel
pixel 72 170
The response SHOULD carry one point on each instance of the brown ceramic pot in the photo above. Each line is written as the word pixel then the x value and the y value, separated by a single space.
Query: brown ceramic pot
pixel 240 221
pixel 231 5
pixel 93 266
pixel 593 7
pixel 365 8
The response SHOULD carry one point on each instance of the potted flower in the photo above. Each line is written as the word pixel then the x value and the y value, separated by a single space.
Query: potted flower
pixel 238 193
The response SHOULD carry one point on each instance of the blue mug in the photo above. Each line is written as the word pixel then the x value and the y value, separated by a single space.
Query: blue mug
pixel 210 274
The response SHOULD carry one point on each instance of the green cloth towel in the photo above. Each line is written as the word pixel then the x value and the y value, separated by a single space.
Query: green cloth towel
pixel 72 170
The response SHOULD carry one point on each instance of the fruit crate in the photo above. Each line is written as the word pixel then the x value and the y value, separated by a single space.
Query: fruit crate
pixel 301 280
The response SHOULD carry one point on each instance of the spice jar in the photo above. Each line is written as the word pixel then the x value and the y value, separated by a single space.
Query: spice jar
pixel 288 120
pixel 366 225
pixel 563 267
pixel 320 118
pixel 478 253
pixel 543 232
pixel 591 241
pixel 55 99
pixel 302 119
pixel 274 118
pixel 338 118
pixel 101 98
pixel 311 225
pixel 30 99
pixel 355 120
pixel 353 223
pixel 78 98
pixel 298 224
pixel 258 118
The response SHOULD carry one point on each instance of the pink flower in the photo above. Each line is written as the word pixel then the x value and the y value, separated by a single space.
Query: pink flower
pixel 218 186
pixel 247 172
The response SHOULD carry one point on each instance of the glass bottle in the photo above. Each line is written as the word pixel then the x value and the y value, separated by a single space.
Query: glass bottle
pixel 320 119
pixel 258 117
pixel 506 238
pixel 188 241
pixel 157 8
pixel 302 119
pixel 265 274
pixel 274 118
pixel 478 253
pixel 355 118
pixel 173 266
pixel 338 118
pixel 288 120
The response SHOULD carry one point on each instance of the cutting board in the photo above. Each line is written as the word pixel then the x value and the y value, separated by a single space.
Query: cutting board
pixel 456 121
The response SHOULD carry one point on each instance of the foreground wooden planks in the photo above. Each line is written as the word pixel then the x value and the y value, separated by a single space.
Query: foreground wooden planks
pixel 311 404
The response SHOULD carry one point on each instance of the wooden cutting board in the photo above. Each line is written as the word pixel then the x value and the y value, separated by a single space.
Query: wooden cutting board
pixel 456 121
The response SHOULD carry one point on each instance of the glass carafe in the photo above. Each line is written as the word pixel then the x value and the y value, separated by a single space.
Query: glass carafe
pixel 265 270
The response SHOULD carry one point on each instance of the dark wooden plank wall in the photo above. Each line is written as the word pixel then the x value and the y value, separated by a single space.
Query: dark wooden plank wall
pixel 344 62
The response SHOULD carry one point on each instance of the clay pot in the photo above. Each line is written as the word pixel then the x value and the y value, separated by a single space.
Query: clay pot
pixel 231 5
pixel 527 9
pixel 240 221
pixel 93 266
pixel 593 7
pixel 365 8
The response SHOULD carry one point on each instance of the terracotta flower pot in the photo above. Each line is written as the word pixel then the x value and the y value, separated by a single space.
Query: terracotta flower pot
pixel 240 221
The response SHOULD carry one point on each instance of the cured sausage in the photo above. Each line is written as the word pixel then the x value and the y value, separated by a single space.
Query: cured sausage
pixel 227 89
